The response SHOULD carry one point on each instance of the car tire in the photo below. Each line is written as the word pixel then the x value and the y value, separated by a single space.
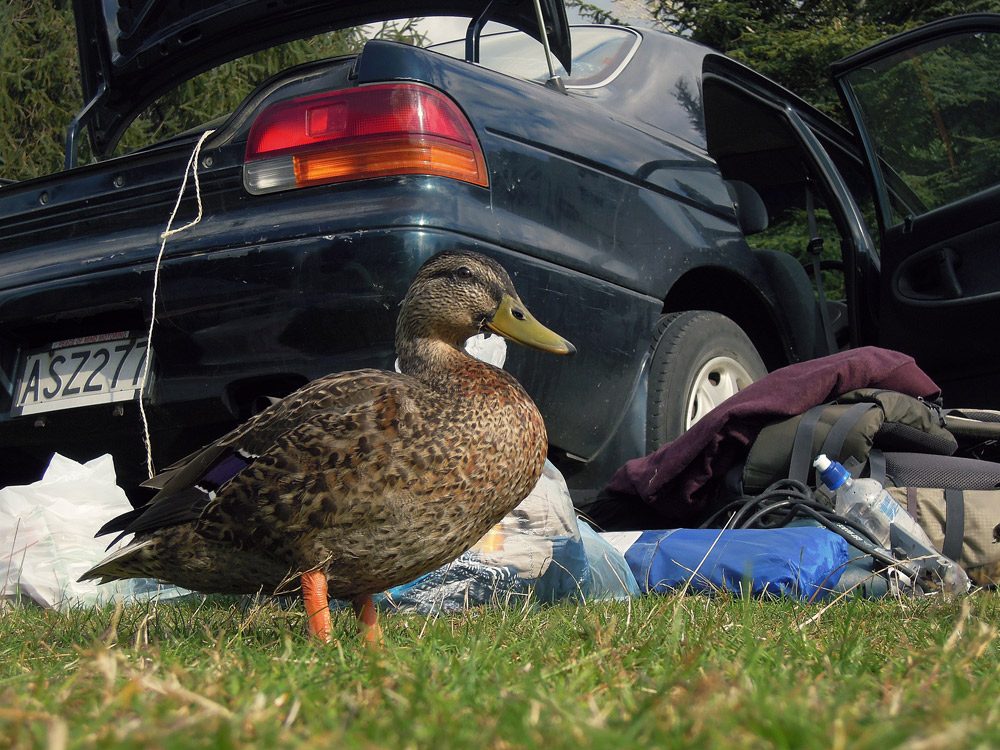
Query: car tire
pixel 700 358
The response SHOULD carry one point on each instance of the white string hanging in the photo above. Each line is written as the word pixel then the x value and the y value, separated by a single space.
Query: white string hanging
pixel 192 168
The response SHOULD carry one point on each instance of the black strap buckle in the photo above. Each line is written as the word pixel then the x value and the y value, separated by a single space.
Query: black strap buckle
pixel 815 247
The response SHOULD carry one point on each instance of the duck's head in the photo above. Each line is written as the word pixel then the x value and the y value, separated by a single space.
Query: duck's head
pixel 457 294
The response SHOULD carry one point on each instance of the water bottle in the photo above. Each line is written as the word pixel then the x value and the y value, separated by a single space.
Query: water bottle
pixel 866 503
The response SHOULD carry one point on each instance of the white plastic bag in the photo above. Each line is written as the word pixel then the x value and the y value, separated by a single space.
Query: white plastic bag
pixel 47 535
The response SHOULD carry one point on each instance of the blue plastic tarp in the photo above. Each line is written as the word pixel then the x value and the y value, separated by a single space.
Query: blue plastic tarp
pixel 803 562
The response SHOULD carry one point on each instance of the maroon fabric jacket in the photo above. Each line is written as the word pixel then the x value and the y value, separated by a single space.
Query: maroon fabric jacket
pixel 675 479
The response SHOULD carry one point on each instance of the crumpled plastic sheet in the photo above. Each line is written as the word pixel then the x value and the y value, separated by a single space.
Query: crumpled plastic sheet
pixel 47 530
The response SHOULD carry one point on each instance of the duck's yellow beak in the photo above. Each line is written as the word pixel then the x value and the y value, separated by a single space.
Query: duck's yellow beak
pixel 513 321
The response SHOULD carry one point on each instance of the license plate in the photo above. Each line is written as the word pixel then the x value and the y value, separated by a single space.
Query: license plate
pixel 91 370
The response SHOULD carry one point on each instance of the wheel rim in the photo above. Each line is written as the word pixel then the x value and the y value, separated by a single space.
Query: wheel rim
pixel 717 380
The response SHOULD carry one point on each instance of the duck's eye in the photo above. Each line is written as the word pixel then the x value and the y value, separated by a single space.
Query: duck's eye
pixel 464 273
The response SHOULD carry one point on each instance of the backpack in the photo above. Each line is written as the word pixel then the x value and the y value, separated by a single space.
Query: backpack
pixel 847 429
pixel 932 462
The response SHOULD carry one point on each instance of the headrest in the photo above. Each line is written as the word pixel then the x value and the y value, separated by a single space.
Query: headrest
pixel 750 209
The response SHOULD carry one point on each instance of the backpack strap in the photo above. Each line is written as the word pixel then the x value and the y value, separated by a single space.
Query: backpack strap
pixel 834 442
pixel 954 524
pixel 877 467
pixel 854 467
pixel 802 445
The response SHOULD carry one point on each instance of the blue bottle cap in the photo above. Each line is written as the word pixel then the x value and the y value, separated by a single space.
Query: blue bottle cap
pixel 831 473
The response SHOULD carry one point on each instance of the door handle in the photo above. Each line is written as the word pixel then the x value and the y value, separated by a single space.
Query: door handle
pixel 930 276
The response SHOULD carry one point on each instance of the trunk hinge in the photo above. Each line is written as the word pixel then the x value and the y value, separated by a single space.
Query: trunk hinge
pixel 476 29
pixel 77 124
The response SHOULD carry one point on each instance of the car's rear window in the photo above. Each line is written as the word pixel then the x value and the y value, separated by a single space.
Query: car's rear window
pixel 599 54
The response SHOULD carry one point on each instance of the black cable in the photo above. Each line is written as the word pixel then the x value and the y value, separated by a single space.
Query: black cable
pixel 743 505
pixel 783 488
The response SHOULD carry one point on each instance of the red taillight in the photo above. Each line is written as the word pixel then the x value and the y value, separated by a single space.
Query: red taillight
pixel 372 131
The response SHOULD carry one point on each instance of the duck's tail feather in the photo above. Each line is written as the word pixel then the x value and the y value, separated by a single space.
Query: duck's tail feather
pixel 118 565
pixel 120 523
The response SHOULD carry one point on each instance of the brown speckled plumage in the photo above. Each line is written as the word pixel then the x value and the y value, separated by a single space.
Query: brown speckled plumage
pixel 371 477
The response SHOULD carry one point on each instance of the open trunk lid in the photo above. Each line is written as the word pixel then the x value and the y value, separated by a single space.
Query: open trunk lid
pixel 132 51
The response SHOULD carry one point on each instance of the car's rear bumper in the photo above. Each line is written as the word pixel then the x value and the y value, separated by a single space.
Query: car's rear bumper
pixel 240 324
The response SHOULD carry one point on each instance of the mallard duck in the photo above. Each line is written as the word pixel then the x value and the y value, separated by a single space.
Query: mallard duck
pixel 362 480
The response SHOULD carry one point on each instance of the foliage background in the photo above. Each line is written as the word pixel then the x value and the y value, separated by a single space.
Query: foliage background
pixel 40 90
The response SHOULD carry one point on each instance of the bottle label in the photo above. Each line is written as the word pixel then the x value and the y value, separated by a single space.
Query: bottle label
pixel 887 505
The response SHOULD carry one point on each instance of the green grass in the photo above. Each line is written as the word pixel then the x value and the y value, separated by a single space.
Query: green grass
pixel 678 671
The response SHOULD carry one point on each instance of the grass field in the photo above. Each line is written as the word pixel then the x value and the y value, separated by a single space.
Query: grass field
pixel 676 671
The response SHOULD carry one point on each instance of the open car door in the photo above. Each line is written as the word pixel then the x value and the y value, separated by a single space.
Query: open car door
pixel 926 106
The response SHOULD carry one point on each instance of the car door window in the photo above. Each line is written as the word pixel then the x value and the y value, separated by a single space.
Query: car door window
pixel 932 114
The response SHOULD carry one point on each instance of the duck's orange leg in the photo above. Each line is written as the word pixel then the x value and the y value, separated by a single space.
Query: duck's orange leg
pixel 317 605
pixel 368 627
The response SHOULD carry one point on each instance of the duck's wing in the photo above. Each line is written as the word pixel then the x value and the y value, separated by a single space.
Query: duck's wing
pixel 185 495
pixel 189 486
